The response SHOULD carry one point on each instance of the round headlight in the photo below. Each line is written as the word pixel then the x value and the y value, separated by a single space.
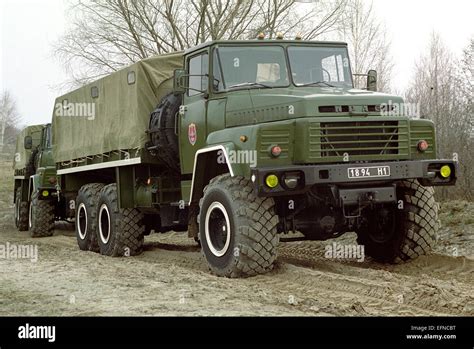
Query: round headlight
pixel 275 151
pixel 423 145
pixel 445 171
pixel 271 181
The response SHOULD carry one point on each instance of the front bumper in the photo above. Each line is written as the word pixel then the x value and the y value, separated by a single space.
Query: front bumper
pixel 426 171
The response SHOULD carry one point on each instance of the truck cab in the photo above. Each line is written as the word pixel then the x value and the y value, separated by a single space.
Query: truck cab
pixel 35 187
pixel 325 157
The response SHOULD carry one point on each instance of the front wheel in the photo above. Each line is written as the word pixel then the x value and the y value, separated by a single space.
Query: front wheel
pixel 403 232
pixel 21 212
pixel 237 229
pixel 41 217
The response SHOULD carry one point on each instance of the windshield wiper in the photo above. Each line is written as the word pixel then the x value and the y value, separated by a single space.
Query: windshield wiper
pixel 249 84
pixel 317 83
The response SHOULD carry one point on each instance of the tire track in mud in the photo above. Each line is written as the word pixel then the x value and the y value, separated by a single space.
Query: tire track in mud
pixel 439 284
pixel 311 254
pixel 360 288
pixel 304 282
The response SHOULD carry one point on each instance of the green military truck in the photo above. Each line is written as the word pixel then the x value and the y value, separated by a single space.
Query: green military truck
pixel 238 142
pixel 37 204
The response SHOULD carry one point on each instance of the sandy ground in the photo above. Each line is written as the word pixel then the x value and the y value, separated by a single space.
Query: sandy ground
pixel 171 278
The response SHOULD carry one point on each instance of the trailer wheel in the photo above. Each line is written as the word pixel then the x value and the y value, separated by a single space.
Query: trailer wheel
pixel 21 212
pixel 41 217
pixel 86 216
pixel 238 229
pixel 120 231
pixel 411 228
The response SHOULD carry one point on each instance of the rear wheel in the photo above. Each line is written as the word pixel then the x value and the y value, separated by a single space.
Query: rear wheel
pixel 120 231
pixel 86 216
pixel 21 212
pixel 41 217
pixel 403 232
pixel 237 229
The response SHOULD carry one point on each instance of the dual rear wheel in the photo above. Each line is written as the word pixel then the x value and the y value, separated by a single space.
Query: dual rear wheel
pixel 102 227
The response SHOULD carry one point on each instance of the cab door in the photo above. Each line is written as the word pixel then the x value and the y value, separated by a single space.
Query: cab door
pixel 192 118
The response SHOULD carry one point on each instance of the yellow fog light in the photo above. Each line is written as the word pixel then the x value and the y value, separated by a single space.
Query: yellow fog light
pixel 445 171
pixel 45 193
pixel 271 181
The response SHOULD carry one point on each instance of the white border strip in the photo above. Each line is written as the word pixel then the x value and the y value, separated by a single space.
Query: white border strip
pixel 116 163
pixel 207 150
pixel 19 177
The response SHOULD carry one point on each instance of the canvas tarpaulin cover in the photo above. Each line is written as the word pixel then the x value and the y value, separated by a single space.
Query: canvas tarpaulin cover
pixel 22 155
pixel 112 113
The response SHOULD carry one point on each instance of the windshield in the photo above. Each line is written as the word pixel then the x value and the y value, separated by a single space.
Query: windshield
pixel 322 66
pixel 249 66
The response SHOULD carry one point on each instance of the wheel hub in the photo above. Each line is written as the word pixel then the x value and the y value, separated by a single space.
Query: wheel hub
pixel 217 229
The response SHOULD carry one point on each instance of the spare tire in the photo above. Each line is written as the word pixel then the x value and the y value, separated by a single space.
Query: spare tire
pixel 162 130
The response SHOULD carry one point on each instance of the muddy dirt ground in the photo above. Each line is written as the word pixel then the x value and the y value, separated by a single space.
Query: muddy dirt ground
pixel 171 278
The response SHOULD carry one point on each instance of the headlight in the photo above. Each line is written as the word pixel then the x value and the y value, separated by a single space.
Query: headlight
pixel 423 145
pixel 271 181
pixel 445 171
pixel 275 151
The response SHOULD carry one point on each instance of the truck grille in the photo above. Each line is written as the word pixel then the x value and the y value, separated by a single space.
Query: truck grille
pixel 384 139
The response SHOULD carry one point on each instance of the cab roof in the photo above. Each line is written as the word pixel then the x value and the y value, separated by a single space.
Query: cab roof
pixel 264 42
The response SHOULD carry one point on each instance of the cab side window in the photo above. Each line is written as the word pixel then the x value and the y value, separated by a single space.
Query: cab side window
pixel 198 70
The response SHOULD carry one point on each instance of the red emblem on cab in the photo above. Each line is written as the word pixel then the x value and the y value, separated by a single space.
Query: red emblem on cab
pixel 192 133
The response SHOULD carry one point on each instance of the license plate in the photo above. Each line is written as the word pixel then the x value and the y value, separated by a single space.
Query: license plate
pixel 368 172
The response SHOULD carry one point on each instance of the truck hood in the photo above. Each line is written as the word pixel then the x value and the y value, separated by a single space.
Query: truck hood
pixel 265 105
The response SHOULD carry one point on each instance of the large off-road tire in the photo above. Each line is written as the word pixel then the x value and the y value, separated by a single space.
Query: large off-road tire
pixel 86 216
pixel 410 232
pixel 21 212
pixel 237 229
pixel 120 231
pixel 162 130
pixel 41 217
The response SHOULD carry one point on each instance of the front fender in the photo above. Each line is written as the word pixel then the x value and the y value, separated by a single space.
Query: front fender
pixel 210 162
pixel 35 183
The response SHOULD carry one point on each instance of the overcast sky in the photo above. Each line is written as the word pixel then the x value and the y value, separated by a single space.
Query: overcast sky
pixel 29 27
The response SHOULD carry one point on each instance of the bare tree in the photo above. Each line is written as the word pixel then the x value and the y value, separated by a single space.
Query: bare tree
pixel 369 47
pixel 105 35
pixel 442 86
pixel 9 119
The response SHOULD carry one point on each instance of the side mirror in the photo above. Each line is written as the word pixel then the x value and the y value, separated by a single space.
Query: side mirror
pixel 372 80
pixel 179 81
pixel 28 142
